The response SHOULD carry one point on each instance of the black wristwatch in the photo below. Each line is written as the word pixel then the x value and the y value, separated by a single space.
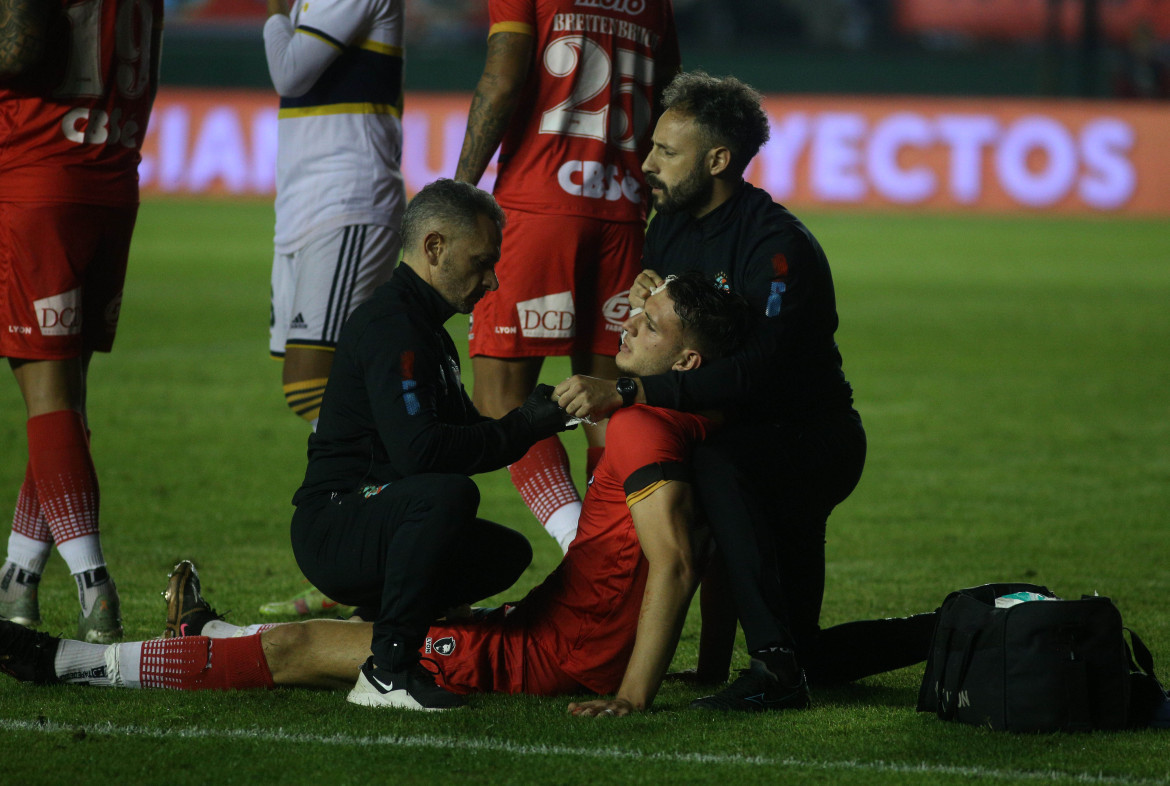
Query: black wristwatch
pixel 628 390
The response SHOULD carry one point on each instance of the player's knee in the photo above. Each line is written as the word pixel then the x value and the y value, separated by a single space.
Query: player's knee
pixel 286 638
pixel 304 397
pixel 496 402
pixel 502 385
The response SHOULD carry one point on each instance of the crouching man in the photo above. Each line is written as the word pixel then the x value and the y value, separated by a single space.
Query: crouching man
pixel 606 621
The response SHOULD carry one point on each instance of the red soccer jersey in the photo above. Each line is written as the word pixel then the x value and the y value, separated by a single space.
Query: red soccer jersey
pixel 73 132
pixel 578 137
pixel 586 612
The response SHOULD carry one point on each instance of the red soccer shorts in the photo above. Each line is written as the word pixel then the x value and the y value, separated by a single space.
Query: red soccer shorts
pixel 564 282
pixel 62 267
pixel 497 654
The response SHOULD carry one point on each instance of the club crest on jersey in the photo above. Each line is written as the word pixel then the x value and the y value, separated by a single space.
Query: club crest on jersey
pixel 723 282
pixel 444 646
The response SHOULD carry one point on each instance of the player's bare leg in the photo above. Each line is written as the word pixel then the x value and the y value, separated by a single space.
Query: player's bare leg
pixel 542 475
pixel 317 653
pixel 60 500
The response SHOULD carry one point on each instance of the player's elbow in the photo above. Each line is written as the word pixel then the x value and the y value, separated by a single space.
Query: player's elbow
pixel 293 86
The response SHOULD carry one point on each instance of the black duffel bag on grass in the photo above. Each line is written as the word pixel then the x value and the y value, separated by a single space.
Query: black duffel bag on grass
pixel 1036 663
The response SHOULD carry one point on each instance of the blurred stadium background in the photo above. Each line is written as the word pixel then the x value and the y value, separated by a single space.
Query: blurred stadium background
pixel 997 106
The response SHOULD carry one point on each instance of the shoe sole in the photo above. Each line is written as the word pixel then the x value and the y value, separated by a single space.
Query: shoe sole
pixel 365 695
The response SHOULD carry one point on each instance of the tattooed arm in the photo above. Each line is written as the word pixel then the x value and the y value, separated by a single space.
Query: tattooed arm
pixel 496 96
pixel 24 32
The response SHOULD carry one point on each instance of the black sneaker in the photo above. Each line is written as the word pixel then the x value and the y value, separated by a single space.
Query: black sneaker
pixel 413 688
pixel 187 611
pixel 27 654
pixel 758 688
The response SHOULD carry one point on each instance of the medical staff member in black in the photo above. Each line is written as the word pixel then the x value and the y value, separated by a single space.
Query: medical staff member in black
pixel 796 446
pixel 386 516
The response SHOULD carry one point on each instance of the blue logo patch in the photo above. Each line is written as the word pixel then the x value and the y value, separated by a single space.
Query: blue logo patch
pixel 410 399
pixel 775 299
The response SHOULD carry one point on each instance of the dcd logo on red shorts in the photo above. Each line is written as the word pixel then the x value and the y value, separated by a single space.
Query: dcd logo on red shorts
pixel 59 315
pixel 549 316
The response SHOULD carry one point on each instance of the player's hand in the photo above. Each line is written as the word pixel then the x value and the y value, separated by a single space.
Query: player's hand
pixel 588 397
pixel 646 282
pixel 544 417
pixel 601 708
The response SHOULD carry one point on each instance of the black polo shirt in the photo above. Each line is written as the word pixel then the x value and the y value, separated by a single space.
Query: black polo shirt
pixel 395 406
pixel 790 367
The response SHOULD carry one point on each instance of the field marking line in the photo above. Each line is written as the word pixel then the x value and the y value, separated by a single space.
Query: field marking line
pixel 278 735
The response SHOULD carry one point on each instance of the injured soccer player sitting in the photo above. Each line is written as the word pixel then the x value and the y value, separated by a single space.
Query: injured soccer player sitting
pixel 606 621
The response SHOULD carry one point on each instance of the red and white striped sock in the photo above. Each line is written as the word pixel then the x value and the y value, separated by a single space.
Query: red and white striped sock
pixel 193 663
pixel 30 541
pixel 542 478
pixel 66 485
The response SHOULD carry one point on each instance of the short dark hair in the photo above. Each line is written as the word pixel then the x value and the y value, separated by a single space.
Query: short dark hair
pixel 450 201
pixel 727 111
pixel 716 320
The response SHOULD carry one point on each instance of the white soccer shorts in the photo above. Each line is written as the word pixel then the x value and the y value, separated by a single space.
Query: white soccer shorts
pixel 316 288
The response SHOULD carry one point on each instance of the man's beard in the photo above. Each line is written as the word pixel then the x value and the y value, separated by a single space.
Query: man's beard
pixel 688 195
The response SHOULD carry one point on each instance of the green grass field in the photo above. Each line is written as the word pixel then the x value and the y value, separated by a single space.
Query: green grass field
pixel 1012 374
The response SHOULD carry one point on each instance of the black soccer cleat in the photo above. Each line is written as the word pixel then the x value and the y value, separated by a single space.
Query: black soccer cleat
pixel 412 688
pixel 759 687
pixel 27 654
pixel 187 610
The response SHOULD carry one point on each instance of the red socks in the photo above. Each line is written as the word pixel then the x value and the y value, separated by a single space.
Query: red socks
pixel 200 663
pixel 29 520
pixel 542 478
pixel 66 484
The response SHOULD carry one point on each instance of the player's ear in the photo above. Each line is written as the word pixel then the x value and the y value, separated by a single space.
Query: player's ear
pixel 718 160
pixel 433 244
pixel 688 360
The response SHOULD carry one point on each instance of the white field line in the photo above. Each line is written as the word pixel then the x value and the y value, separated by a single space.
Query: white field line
pixel 502 746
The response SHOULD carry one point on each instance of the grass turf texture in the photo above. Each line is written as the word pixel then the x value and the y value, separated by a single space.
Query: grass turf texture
pixel 1012 376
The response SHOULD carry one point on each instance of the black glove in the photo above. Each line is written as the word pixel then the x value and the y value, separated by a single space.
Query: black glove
pixel 543 416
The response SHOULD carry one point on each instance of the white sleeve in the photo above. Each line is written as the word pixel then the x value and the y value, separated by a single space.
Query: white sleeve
pixel 296 59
